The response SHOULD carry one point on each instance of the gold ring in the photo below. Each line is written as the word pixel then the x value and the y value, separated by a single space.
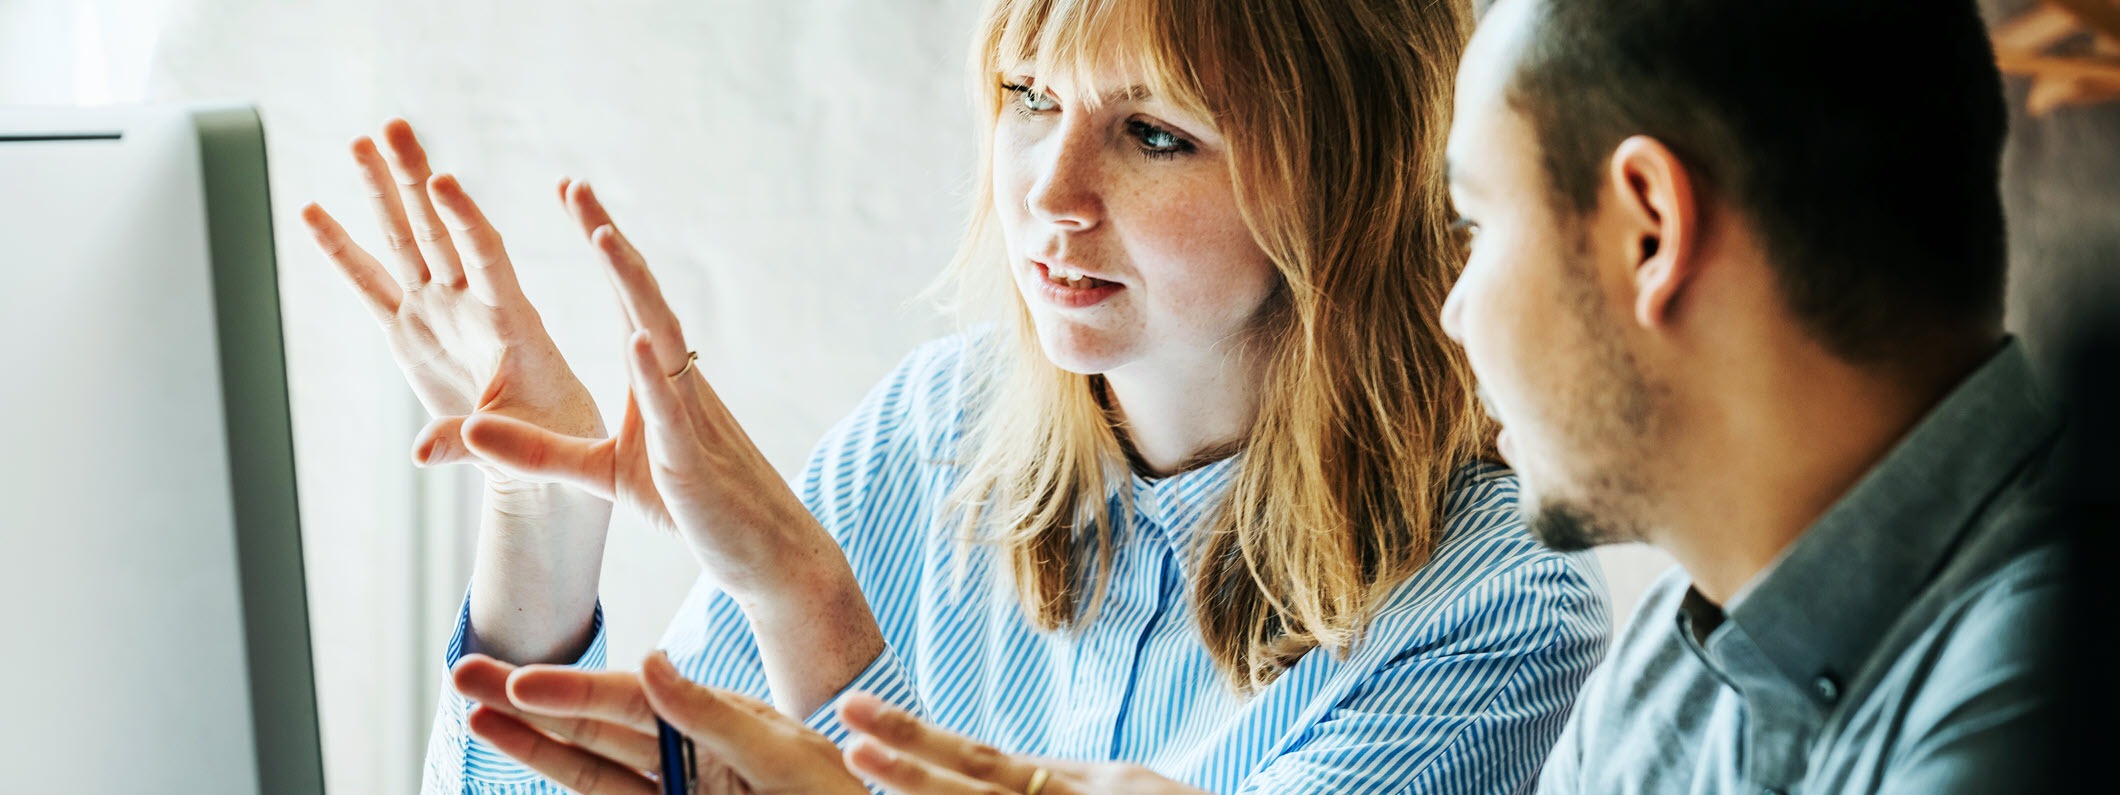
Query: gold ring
pixel 691 358
pixel 1037 784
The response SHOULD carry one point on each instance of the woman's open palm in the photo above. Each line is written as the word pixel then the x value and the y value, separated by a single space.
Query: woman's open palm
pixel 680 459
pixel 450 306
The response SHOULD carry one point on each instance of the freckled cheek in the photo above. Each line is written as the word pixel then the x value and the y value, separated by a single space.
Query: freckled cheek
pixel 1209 275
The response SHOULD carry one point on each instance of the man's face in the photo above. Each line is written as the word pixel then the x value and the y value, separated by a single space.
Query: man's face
pixel 1541 311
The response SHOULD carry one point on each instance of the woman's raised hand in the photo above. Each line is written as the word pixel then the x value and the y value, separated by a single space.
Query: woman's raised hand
pixel 682 461
pixel 470 345
pixel 448 302
pixel 679 458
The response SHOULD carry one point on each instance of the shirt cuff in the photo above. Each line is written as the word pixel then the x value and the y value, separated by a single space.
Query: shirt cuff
pixel 479 766
pixel 591 659
pixel 885 679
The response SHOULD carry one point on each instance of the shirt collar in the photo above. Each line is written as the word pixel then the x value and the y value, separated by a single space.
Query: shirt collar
pixel 1820 611
pixel 1179 503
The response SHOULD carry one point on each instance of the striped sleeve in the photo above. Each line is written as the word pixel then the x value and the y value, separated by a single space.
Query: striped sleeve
pixel 458 762
pixel 1477 692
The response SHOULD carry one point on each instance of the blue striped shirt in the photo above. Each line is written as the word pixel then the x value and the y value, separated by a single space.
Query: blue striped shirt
pixel 1461 683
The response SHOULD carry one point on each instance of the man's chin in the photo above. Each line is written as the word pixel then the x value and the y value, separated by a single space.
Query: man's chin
pixel 1567 527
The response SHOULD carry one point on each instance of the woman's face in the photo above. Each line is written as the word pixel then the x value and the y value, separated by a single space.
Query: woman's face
pixel 1123 232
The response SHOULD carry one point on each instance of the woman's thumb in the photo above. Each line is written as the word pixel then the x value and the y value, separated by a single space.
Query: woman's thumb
pixel 529 451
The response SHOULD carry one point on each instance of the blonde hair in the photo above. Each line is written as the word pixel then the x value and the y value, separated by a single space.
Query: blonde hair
pixel 1335 112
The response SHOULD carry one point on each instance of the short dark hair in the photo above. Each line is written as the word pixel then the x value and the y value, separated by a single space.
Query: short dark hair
pixel 1862 138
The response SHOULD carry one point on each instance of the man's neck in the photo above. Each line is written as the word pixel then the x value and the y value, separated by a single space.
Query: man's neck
pixel 1774 452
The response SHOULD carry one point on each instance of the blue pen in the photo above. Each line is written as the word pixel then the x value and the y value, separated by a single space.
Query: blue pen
pixel 677 768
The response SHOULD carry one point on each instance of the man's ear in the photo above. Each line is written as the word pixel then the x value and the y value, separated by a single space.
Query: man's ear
pixel 1657 211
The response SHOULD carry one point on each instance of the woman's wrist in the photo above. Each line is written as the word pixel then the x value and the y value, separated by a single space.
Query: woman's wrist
pixel 805 576
pixel 814 629
pixel 530 502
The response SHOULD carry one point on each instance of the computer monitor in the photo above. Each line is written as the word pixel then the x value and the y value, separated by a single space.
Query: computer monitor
pixel 157 635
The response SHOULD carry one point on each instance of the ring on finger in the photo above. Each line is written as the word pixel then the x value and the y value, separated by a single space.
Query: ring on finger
pixel 691 358
pixel 1038 778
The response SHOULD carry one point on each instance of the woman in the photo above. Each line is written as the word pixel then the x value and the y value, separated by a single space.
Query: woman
pixel 1208 498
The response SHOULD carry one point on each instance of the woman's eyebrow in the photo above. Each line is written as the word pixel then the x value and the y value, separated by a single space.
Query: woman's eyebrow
pixel 1128 94
pixel 1133 93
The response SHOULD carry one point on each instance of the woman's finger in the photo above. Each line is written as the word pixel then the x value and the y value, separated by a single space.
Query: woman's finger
pixel 482 679
pixel 906 774
pixel 672 441
pixel 409 173
pixel 486 267
pixel 641 294
pixel 754 743
pixel 488 682
pixel 669 432
pixel 566 765
pixel 581 202
pixel 409 265
pixel 599 711
pixel 441 442
pixel 370 282
pixel 607 696
pixel 911 737
pixel 528 450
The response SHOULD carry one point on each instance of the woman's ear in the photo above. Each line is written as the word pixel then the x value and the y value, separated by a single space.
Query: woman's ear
pixel 1656 208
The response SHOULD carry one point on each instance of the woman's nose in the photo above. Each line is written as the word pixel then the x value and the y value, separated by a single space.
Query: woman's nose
pixel 1066 191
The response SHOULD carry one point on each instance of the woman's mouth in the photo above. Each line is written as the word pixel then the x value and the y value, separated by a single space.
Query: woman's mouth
pixel 1070 289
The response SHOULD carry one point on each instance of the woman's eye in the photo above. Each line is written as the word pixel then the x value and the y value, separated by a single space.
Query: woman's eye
pixel 1158 142
pixel 1030 100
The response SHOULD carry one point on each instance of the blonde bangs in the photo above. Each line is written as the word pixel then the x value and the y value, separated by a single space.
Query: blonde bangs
pixel 1098 46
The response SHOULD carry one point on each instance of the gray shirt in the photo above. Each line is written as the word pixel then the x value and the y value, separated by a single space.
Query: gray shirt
pixel 1896 646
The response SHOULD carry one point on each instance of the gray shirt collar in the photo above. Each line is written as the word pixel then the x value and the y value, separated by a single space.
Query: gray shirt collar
pixel 1820 611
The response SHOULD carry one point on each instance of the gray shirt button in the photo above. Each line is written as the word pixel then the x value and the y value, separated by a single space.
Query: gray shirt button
pixel 1827 688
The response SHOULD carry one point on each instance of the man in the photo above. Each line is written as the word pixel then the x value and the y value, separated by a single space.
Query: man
pixel 1735 290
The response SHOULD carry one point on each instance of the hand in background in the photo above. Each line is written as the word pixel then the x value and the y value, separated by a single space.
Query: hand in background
pixel 904 755
pixel 593 732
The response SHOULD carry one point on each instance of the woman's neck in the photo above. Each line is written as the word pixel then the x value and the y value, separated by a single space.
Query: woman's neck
pixel 1183 413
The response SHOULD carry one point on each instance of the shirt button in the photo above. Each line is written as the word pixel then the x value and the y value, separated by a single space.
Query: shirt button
pixel 1827 688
